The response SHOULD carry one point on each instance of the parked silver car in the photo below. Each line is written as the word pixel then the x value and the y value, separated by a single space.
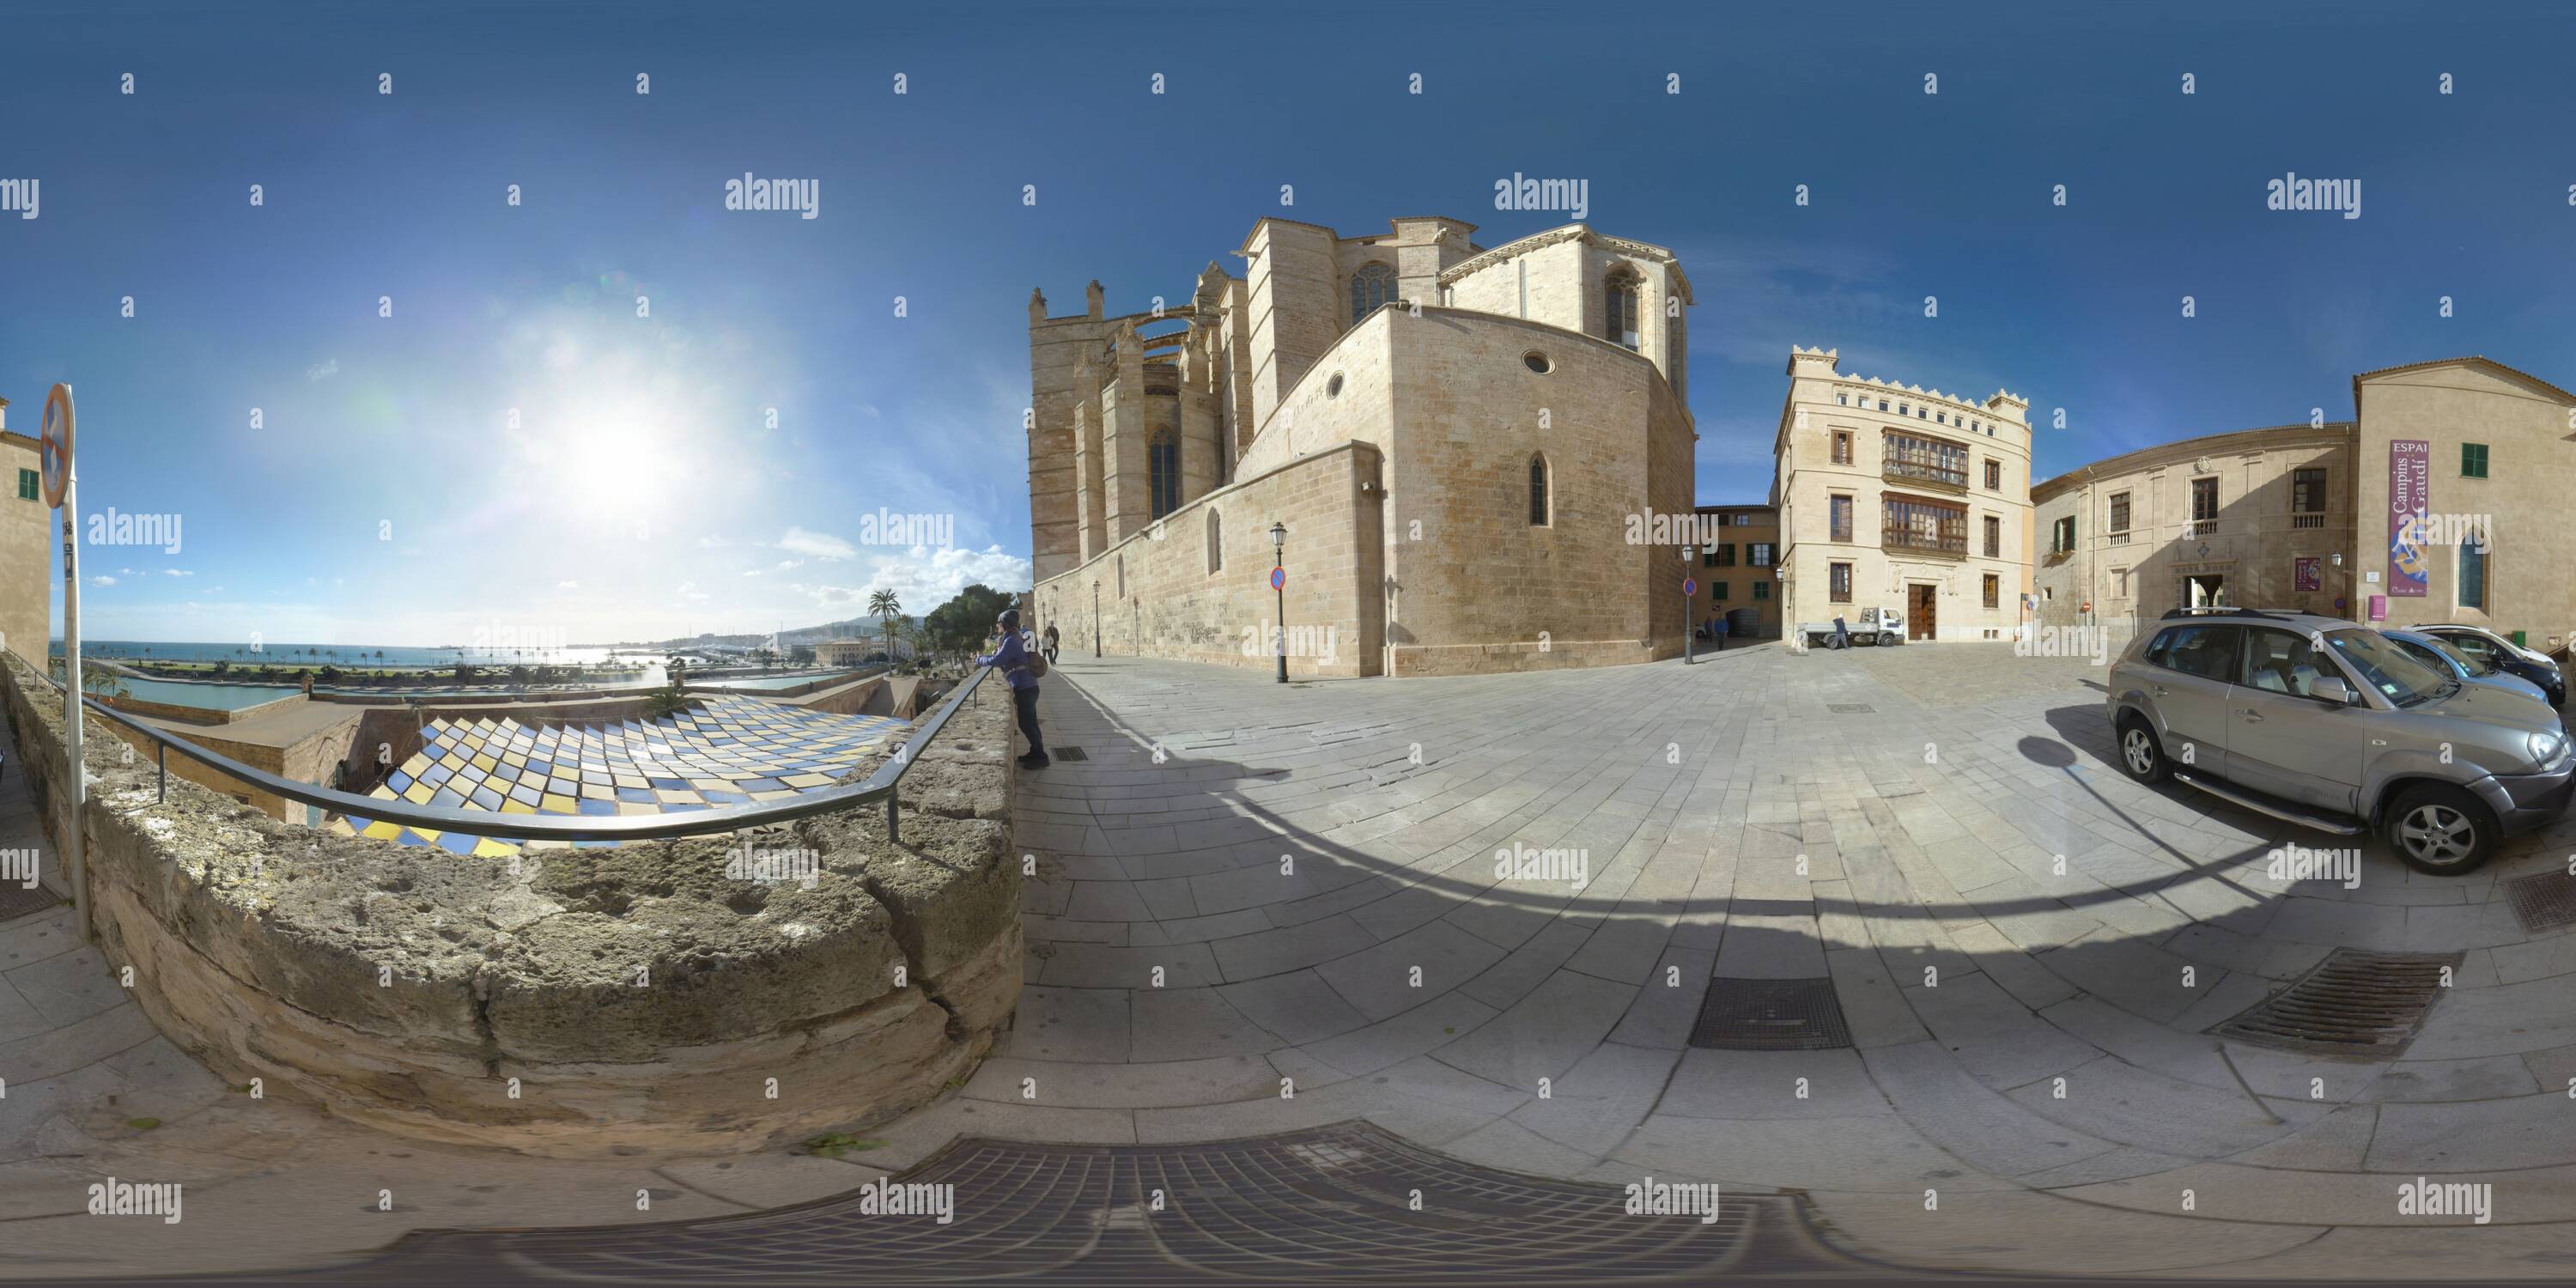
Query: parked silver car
pixel 2441 655
pixel 2330 725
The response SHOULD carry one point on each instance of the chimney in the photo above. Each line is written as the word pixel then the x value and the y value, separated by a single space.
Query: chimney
pixel 1091 300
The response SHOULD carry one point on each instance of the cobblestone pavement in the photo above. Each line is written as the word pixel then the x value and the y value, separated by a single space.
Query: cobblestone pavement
pixel 1241 879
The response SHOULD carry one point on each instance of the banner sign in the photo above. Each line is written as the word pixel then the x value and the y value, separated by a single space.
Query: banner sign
pixel 2410 488
pixel 2308 574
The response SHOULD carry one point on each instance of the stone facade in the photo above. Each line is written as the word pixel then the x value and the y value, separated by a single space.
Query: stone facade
pixel 2262 518
pixel 28 548
pixel 1453 437
pixel 2233 514
pixel 1894 497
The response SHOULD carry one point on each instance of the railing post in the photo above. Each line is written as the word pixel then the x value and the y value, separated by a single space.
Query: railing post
pixel 161 759
pixel 894 821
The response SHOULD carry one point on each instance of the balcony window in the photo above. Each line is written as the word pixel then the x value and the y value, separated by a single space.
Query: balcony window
pixel 1994 537
pixel 1721 555
pixel 1918 524
pixel 1840 508
pixel 2204 507
pixel 1931 460
pixel 1757 554
pixel 1994 591
pixel 1838 583
pixel 2061 535
pixel 2119 512
pixel 1994 476
pixel 1842 447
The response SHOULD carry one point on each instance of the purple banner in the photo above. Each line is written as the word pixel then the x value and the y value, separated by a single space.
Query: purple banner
pixel 2307 575
pixel 2410 494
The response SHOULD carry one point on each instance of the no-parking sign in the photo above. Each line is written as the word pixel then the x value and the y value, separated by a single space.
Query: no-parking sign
pixel 1279 579
pixel 1690 587
pixel 55 442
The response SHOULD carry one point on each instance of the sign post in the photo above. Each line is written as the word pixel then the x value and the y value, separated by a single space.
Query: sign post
pixel 56 450
pixel 1690 598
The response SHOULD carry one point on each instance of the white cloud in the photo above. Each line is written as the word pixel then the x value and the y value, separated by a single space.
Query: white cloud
pixel 177 572
pixel 322 370
pixel 712 543
pixel 567 585
pixel 785 564
pixel 818 544
pixel 686 586
pixel 102 580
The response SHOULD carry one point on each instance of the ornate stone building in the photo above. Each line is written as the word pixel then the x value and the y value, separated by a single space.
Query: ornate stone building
pixel 1454 441
pixel 1894 497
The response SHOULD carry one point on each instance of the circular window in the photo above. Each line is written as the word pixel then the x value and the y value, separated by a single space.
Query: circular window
pixel 1536 361
pixel 1333 387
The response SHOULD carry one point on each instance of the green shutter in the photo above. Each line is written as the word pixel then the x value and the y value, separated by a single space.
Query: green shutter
pixel 29 485
pixel 2473 460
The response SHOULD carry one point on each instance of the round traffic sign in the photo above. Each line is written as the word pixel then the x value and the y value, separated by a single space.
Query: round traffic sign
pixel 55 442
pixel 1279 579
pixel 1690 587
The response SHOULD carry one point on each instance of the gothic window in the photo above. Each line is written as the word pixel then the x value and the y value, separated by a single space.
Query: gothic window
pixel 1619 296
pixel 1372 286
pixel 1163 472
pixel 1538 492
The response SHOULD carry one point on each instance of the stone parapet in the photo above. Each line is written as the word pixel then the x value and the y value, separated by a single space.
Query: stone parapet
pixel 574 1003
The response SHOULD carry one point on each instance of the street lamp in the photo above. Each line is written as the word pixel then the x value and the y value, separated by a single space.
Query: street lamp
pixel 1095 619
pixel 1279 585
pixel 1689 596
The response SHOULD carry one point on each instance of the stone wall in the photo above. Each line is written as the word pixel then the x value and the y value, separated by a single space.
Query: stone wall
pixel 591 1003
pixel 1159 597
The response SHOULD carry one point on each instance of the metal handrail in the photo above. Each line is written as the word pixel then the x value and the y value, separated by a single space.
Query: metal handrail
pixel 562 827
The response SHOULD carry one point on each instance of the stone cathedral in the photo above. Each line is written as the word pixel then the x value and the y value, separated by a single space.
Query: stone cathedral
pixel 1452 444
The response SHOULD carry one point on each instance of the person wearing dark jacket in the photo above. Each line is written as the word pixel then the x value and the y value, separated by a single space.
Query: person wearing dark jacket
pixel 1011 658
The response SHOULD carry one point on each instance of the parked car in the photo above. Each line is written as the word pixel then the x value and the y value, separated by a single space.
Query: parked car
pixel 2484 645
pixel 2441 655
pixel 2324 723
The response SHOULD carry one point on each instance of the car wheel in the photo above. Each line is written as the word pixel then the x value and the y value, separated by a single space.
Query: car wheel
pixel 2441 829
pixel 2140 753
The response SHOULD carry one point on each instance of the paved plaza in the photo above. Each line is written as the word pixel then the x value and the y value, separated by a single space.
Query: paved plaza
pixel 1243 878
pixel 1267 908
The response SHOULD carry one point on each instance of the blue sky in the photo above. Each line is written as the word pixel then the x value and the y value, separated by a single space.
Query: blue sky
pixel 386 498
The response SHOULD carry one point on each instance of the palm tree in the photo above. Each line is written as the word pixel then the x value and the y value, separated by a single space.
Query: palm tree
pixel 885 605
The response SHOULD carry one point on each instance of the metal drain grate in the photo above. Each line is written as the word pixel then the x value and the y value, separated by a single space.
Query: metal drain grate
pixel 1851 708
pixel 1068 753
pixel 1771 1015
pixel 2544 902
pixel 17 901
pixel 2354 1004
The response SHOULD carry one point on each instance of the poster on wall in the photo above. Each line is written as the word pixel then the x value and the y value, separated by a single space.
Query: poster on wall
pixel 2410 486
pixel 2307 575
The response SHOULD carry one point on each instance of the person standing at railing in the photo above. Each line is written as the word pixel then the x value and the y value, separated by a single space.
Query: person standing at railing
pixel 1011 658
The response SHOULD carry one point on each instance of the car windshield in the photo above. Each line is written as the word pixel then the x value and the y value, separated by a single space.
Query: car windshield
pixel 2385 667
pixel 2467 663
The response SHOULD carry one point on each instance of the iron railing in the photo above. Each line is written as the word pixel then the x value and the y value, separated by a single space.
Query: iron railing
pixel 880 786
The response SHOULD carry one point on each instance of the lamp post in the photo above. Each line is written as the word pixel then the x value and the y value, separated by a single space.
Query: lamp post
pixel 1690 597
pixel 1095 619
pixel 1279 586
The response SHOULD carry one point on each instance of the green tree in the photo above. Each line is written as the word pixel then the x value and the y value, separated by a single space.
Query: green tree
pixel 962 624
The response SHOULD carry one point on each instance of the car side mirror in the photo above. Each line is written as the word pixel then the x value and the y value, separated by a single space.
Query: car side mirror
pixel 2331 690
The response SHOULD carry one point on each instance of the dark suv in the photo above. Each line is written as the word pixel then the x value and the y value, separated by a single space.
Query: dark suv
pixel 2485 646
pixel 2327 724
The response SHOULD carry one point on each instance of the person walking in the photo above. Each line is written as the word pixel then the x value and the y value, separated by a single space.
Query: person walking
pixel 1050 644
pixel 1717 631
pixel 1011 658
